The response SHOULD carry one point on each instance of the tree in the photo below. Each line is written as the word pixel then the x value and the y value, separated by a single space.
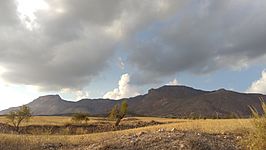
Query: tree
pixel 122 113
pixel 80 117
pixel 18 116
pixel 118 113
pixel 114 112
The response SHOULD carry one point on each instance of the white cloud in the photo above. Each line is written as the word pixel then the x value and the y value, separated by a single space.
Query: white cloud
pixel 15 95
pixel 26 10
pixel 174 82
pixel 124 89
pixel 259 86
pixel 75 94
pixel 82 94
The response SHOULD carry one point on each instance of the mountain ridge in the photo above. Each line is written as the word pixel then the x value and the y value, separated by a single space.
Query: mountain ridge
pixel 166 101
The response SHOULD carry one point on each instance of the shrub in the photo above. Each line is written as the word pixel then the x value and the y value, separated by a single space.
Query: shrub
pixel 80 117
pixel 256 140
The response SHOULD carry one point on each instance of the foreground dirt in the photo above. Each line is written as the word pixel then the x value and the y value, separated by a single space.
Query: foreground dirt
pixel 160 140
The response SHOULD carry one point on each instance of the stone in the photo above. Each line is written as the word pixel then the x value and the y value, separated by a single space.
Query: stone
pixel 161 130
pixel 198 134
pixel 173 129
pixel 225 137
pixel 140 133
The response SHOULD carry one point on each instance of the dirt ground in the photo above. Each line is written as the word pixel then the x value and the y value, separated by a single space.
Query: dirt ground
pixel 160 140
pixel 132 134
pixel 74 129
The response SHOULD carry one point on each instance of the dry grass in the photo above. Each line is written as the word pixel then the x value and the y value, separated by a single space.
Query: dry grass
pixel 42 120
pixel 256 139
pixel 33 141
pixel 62 120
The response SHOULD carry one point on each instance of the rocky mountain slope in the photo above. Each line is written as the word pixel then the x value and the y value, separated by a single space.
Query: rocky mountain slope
pixel 171 101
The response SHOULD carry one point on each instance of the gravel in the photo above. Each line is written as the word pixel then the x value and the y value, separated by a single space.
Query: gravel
pixel 167 140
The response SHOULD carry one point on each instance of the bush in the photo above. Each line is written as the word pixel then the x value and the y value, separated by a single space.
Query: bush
pixel 80 117
pixel 256 140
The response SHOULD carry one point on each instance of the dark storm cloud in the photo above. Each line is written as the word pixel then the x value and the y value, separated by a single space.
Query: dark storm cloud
pixel 208 36
pixel 74 40
pixel 67 50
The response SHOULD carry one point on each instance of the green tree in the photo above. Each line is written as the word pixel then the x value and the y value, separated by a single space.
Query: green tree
pixel 114 113
pixel 18 116
pixel 118 113
pixel 122 113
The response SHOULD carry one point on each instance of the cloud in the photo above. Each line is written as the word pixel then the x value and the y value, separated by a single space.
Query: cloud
pixel 202 37
pixel 67 50
pixel 121 63
pixel 124 89
pixel 7 13
pixel 174 82
pixel 76 94
pixel 259 86
pixel 72 42
pixel 69 43
pixel 13 95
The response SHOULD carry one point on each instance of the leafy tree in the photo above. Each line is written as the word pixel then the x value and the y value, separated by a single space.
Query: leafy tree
pixel 118 113
pixel 80 117
pixel 114 112
pixel 18 116
pixel 122 113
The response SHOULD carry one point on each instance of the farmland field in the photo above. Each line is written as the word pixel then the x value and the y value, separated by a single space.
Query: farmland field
pixel 229 130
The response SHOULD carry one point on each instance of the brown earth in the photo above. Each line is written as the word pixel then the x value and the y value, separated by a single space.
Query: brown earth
pixel 73 129
pixel 160 140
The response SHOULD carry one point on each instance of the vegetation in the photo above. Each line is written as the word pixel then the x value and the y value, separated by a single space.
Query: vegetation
pixel 257 136
pixel 114 112
pixel 18 116
pixel 80 117
pixel 118 113
pixel 36 141
pixel 255 139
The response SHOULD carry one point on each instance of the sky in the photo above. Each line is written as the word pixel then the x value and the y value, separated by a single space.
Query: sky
pixel 121 48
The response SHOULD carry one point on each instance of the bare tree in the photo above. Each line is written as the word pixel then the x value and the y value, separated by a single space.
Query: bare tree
pixel 18 116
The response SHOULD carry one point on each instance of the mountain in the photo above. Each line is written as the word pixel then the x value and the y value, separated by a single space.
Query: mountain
pixel 55 105
pixel 171 101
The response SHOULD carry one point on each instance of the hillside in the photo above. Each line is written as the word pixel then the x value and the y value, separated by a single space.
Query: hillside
pixel 168 101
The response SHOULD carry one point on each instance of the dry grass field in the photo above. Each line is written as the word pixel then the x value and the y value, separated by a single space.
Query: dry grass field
pixel 62 120
pixel 26 141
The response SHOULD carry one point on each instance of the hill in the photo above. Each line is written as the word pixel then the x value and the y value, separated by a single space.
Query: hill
pixel 166 101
